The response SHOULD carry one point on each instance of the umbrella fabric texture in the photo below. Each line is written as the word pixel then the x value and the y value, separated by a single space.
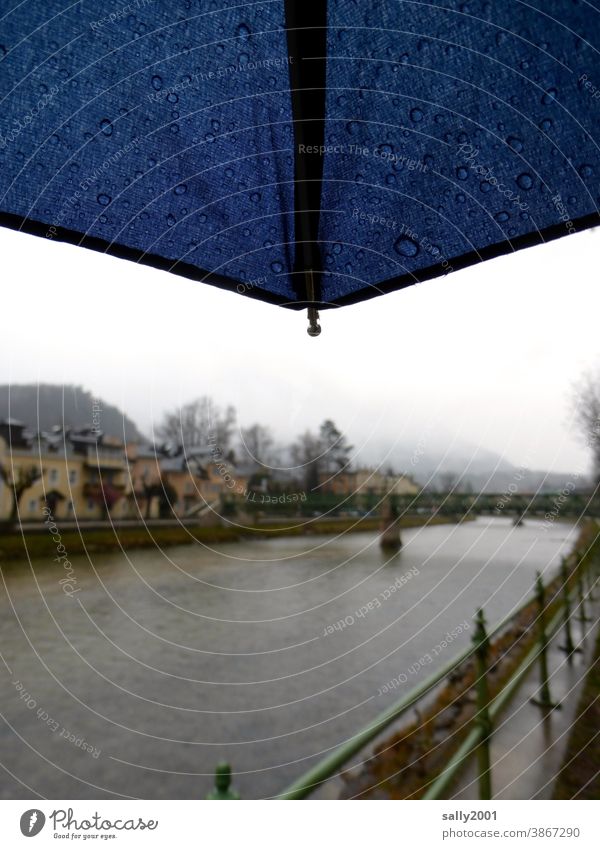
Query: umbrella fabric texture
pixel 304 154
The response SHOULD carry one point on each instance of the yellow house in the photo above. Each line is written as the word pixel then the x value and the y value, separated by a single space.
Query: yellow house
pixel 75 474
pixel 367 482
pixel 163 483
pixel 85 475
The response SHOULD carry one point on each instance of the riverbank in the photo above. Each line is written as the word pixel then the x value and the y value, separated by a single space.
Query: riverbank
pixel 39 542
pixel 405 763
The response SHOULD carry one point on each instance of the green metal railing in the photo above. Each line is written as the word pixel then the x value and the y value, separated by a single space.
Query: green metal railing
pixel 572 572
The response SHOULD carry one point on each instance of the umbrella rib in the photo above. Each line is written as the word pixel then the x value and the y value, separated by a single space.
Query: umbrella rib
pixel 306 29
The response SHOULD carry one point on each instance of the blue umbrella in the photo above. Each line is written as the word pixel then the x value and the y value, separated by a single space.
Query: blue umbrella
pixel 310 154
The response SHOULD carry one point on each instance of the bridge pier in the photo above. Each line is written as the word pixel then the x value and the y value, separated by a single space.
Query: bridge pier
pixel 390 527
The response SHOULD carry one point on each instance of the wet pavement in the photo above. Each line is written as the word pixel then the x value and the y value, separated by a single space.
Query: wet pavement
pixel 528 744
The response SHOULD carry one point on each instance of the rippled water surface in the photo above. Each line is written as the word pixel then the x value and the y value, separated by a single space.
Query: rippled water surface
pixel 165 662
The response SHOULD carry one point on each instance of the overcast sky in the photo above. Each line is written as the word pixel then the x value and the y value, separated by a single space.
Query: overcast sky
pixel 485 356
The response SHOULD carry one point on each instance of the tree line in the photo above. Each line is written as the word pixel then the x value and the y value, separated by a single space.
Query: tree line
pixel 202 423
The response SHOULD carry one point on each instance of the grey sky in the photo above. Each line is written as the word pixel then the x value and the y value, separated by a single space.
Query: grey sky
pixel 484 356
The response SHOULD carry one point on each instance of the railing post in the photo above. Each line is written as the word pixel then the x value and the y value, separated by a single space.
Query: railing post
pixel 590 582
pixel 583 617
pixel 569 646
pixel 482 646
pixel 222 789
pixel 544 700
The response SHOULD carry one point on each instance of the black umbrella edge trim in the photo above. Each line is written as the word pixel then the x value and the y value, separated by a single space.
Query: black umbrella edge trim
pixel 192 272
pixel 173 266
pixel 507 246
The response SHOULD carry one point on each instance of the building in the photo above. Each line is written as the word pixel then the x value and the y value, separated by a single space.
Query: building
pixel 367 482
pixel 186 483
pixel 79 473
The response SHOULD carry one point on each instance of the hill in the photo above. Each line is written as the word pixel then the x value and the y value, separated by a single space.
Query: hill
pixel 43 405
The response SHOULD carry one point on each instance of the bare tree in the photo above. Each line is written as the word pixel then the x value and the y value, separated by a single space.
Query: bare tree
pixel 306 454
pixel 447 481
pixel 18 483
pixel 326 453
pixel 587 413
pixel 197 424
pixel 335 450
pixel 257 443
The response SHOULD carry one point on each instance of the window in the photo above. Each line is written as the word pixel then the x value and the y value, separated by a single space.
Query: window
pixel 73 476
pixel 32 505
pixel 91 504
pixel 53 475
pixel 70 507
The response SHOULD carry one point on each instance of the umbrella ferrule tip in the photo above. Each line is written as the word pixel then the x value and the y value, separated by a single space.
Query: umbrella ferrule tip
pixel 314 328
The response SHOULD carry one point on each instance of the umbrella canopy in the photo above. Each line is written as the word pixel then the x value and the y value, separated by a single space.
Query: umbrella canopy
pixel 307 154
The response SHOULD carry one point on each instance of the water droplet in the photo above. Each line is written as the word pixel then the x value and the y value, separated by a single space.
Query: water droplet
pixel 525 181
pixel 172 97
pixel 106 126
pixel 243 31
pixel 157 82
pixel 171 219
pixel 181 189
pixel 549 96
pixel 202 218
pixel 337 248
pixel 416 115
pixel 516 143
pixel 586 170
pixel 216 125
pixel 502 216
pixel 276 267
pixel 460 198
pixel 546 124
pixel 406 247
pixel 385 150
pixel 209 137
pixel 352 127
pixel 255 197
pixel 104 200
pixel 3 51
pixel 462 173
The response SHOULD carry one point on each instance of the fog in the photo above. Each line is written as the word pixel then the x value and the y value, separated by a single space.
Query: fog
pixel 484 357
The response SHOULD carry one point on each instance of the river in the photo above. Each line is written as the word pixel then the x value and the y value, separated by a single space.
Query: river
pixel 264 653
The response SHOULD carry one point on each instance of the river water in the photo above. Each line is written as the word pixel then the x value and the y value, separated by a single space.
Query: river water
pixel 265 653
